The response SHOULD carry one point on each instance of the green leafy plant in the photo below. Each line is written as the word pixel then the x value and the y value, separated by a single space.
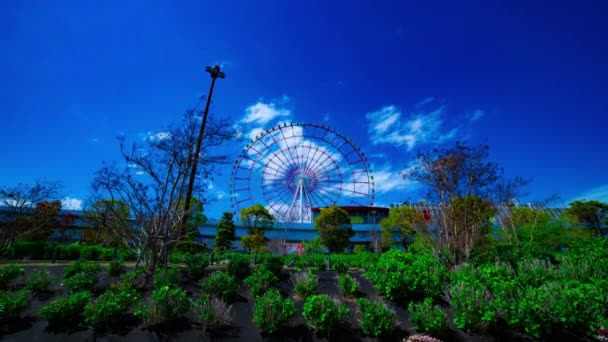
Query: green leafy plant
pixel 239 266
pixel 115 267
pixel 340 266
pixel 167 304
pixel 40 281
pixel 324 314
pixel 426 317
pixel 214 313
pixel 219 284
pixel 274 264
pixel 272 311
pixel 109 308
pixel 165 276
pixel 260 280
pixel 348 285
pixel 81 267
pixel 196 264
pixel 305 283
pixel 80 282
pixel 406 275
pixel 13 304
pixel 472 303
pixel 376 318
pixel 128 281
pixel 67 311
pixel 10 273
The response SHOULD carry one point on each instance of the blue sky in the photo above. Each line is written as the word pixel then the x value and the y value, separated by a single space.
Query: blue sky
pixel 529 78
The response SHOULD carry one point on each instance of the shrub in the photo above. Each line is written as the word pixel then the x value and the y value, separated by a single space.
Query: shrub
pixel 340 266
pixel 10 273
pixel 359 248
pixel 260 280
pixel 109 308
pixel 115 267
pixel 348 285
pixel 427 318
pixel 219 284
pixel 71 251
pixel 80 282
pixel 67 311
pixel 91 253
pixel 274 264
pixel 272 311
pixel 239 266
pixel 324 314
pixel 165 276
pixel 27 249
pixel 305 283
pixel 191 247
pixel 81 267
pixel 406 276
pixel 196 265
pixel 578 306
pixel 473 306
pixel 40 281
pixel 128 281
pixel 214 313
pixel 376 318
pixel 13 304
pixel 167 304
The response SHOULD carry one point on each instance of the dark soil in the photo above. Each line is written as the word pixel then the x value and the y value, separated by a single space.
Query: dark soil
pixel 30 328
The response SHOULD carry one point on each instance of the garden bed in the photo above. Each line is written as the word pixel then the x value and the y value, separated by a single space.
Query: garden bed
pixel 30 327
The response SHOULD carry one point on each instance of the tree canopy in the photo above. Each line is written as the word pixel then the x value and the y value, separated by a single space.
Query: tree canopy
pixel 334 227
pixel 590 214
pixel 257 219
pixel 225 232
pixel 402 225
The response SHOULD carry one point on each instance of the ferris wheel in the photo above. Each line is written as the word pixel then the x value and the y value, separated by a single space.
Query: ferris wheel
pixel 294 167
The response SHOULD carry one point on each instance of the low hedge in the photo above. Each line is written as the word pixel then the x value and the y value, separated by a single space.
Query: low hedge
pixel 42 250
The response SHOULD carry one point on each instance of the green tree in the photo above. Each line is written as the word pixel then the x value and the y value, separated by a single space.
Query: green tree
pixel 196 218
pixel 590 214
pixel 539 234
pixel 108 219
pixel 225 232
pixel 257 219
pixel 402 224
pixel 334 227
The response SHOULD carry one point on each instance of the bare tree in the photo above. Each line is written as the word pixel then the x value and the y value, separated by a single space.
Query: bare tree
pixel 154 181
pixel 20 203
pixel 465 187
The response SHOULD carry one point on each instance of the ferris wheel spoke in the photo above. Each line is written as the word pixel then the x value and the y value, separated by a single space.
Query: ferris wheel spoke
pixel 306 162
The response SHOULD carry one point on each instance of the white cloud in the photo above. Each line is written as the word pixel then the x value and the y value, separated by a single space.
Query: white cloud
pixel 220 195
pixel 599 193
pixel 326 117
pixel 383 119
pixel 95 140
pixel 386 180
pixel 255 133
pixel 386 126
pixel 262 113
pixel 160 136
pixel 69 203
pixel 139 173
pixel 476 115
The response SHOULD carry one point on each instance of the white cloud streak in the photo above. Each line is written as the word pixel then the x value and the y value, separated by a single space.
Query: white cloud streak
pixel 261 113
pixel 387 127
pixel 69 203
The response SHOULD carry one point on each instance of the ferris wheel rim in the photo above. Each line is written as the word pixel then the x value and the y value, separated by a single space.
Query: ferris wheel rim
pixel 282 162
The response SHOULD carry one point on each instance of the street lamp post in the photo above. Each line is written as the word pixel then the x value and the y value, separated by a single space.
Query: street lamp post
pixel 215 73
